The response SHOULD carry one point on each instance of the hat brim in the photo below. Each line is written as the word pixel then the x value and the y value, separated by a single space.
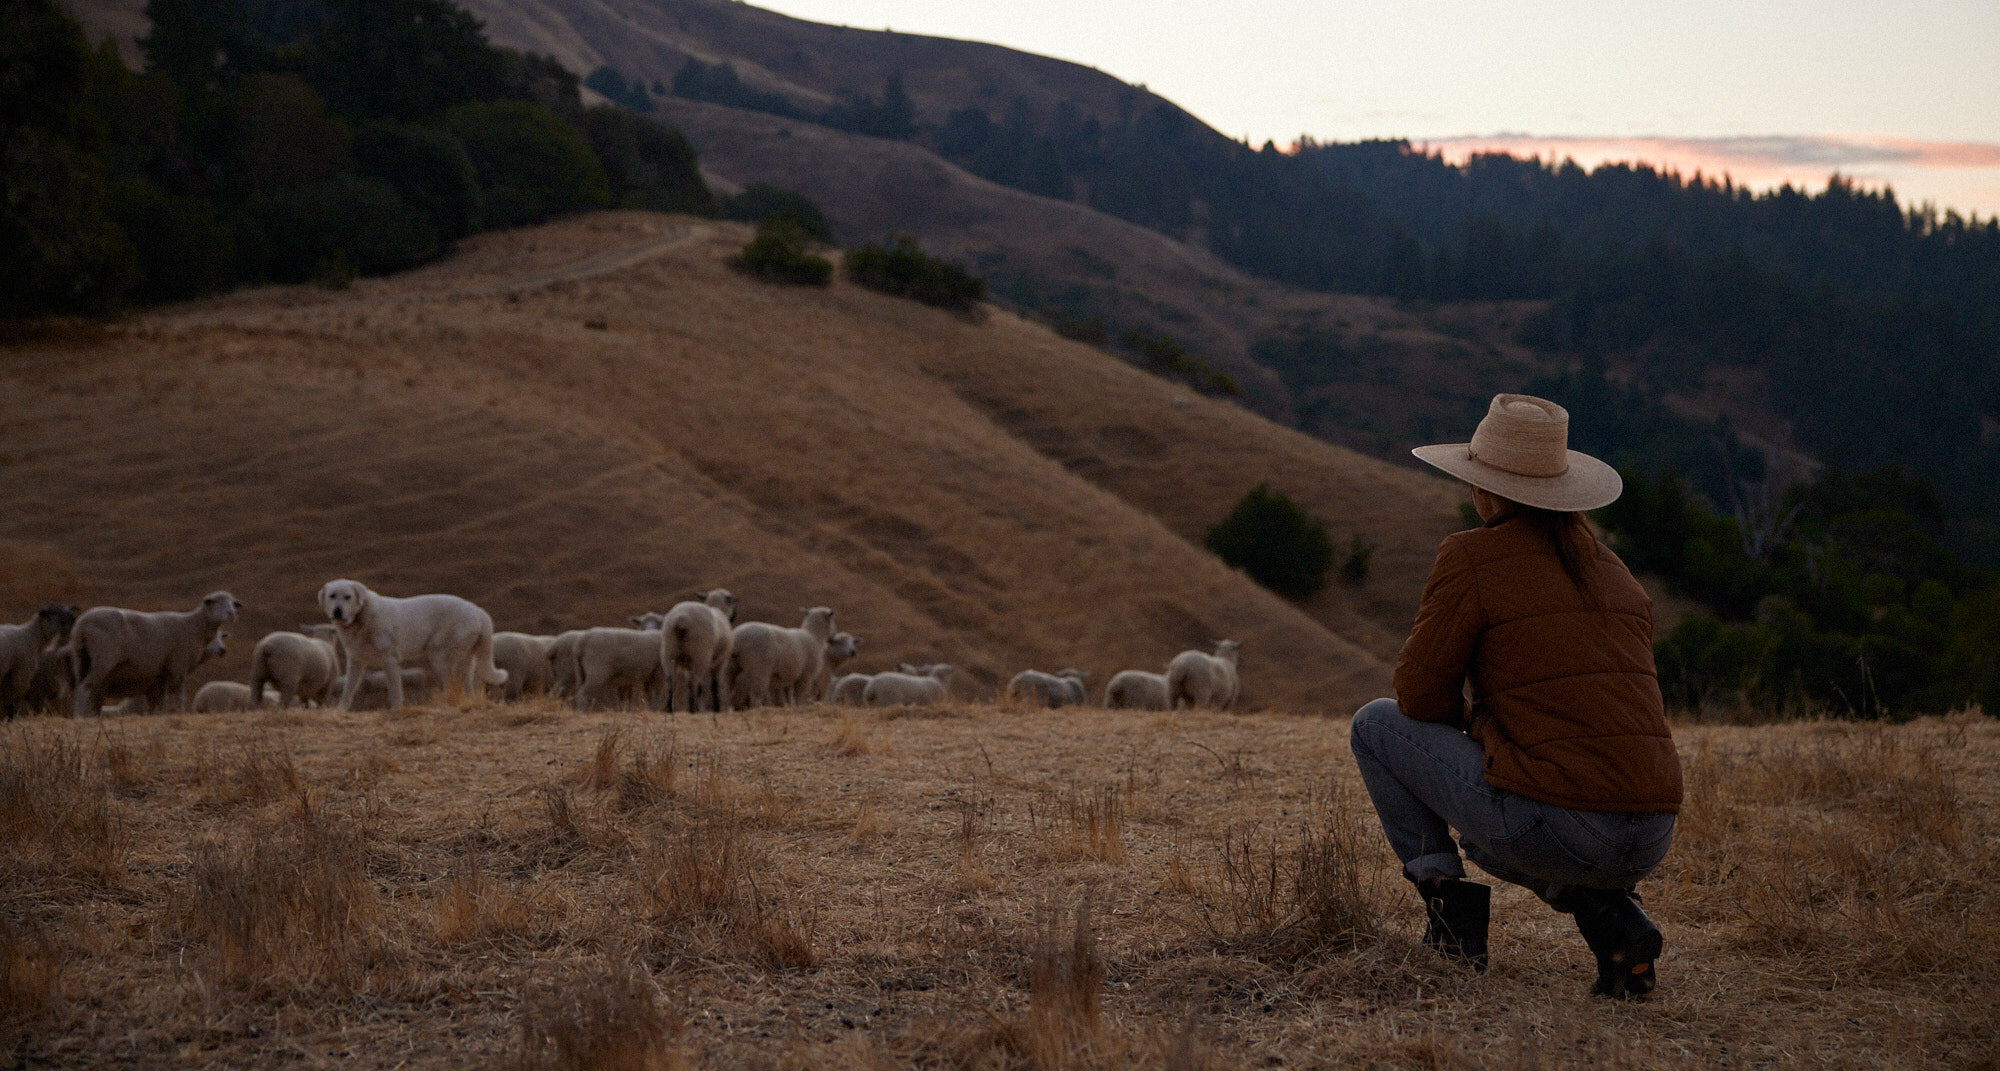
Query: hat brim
pixel 1589 484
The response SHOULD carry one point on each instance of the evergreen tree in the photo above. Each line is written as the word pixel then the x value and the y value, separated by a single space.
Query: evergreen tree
pixel 1276 541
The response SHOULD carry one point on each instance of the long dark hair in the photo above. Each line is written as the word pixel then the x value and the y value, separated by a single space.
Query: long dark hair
pixel 1575 544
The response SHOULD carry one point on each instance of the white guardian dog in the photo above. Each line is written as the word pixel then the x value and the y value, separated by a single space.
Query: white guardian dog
pixel 442 633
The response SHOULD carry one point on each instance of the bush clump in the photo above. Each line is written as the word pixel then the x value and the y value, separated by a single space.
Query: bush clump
pixel 1276 541
pixel 532 164
pixel 902 269
pixel 780 254
pixel 1169 358
pixel 761 201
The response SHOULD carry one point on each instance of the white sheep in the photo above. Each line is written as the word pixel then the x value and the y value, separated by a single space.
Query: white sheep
pixel 563 674
pixel 695 641
pixel 223 697
pixel 841 648
pixel 1136 689
pixel 621 661
pixel 848 688
pixel 769 662
pixel 1064 687
pixel 909 689
pixel 21 650
pixel 526 660
pixel 301 665
pixel 1198 680
pixel 129 652
pixel 139 696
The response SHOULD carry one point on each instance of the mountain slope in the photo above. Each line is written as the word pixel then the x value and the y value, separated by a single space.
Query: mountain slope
pixel 983 493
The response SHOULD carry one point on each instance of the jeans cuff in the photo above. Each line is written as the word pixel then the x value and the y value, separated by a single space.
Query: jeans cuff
pixel 1434 865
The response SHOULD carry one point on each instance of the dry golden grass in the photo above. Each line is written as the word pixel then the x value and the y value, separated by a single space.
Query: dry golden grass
pixel 977 888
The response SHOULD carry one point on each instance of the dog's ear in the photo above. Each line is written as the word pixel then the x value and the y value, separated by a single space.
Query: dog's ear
pixel 322 595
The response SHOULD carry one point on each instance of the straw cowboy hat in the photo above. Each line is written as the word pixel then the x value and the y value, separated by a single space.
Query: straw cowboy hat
pixel 1521 452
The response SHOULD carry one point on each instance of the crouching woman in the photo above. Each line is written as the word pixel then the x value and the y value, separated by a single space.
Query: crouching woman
pixel 1560 775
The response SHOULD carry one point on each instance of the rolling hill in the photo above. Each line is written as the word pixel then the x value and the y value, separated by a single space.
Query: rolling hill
pixel 579 422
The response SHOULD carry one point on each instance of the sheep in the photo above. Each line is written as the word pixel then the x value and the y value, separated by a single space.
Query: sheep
pixel 301 665
pixel 48 691
pixel 770 663
pixel 909 689
pixel 526 660
pixel 1061 688
pixel 112 649
pixel 21 650
pixel 695 641
pixel 1136 689
pixel 222 697
pixel 1199 680
pixel 848 688
pixel 563 675
pixel 841 648
pixel 622 660
pixel 138 695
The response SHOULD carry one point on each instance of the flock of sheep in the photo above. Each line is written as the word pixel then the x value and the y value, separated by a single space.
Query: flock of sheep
pixel 373 648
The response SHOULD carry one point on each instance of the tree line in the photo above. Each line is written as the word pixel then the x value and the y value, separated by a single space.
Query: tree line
pixel 290 140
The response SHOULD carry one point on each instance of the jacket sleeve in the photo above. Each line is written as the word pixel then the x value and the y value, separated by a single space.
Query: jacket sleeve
pixel 1431 671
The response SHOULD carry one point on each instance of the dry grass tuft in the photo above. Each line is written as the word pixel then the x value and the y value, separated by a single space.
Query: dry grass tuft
pixel 1079 825
pixel 1291 902
pixel 1065 988
pixel 473 907
pixel 31 972
pixel 850 738
pixel 700 890
pixel 257 773
pixel 55 815
pixel 608 1019
pixel 292 910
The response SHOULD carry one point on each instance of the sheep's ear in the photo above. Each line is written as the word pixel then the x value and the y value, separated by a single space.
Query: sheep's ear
pixel 636 620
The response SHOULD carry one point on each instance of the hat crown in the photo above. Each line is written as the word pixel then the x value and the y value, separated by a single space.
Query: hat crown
pixel 1523 435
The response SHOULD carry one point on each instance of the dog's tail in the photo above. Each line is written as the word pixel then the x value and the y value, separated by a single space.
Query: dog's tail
pixel 483 661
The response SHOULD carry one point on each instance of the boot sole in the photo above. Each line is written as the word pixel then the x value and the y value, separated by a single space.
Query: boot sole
pixel 1628 972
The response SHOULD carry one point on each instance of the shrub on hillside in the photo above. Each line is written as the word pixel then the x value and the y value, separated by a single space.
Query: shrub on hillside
pixel 184 247
pixel 1276 541
pixel 532 164
pixel 347 226
pixel 902 269
pixel 780 254
pixel 429 169
pixel 1169 358
pixel 648 164
pixel 761 201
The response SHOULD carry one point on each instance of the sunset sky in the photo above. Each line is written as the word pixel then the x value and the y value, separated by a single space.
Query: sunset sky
pixel 1781 91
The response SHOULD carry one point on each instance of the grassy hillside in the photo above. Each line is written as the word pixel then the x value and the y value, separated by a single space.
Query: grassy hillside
pixel 579 422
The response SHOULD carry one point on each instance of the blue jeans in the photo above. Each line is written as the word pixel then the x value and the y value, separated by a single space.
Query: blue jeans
pixel 1427 779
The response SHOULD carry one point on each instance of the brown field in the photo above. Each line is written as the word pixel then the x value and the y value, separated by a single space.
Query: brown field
pixel 519 885
pixel 576 423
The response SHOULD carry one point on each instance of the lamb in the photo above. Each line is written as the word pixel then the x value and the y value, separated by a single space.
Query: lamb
pixel 1064 687
pixel 301 665
pixel 909 689
pixel 1136 689
pixel 526 660
pixel 113 649
pixel 621 660
pixel 848 688
pixel 1199 680
pixel 695 642
pixel 453 636
pixel 768 662
pixel 840 649
pixel 563 676
pixel 21 650
pixel 222 697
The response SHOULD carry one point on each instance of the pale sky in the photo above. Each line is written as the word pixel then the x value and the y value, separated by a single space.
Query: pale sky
pixel 1687 82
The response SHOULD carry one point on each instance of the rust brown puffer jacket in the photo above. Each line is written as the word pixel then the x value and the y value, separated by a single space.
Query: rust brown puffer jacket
pixel 1565 698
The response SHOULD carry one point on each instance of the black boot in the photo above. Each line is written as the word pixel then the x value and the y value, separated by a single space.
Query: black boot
pixel 1455 916
pixel 1624 940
